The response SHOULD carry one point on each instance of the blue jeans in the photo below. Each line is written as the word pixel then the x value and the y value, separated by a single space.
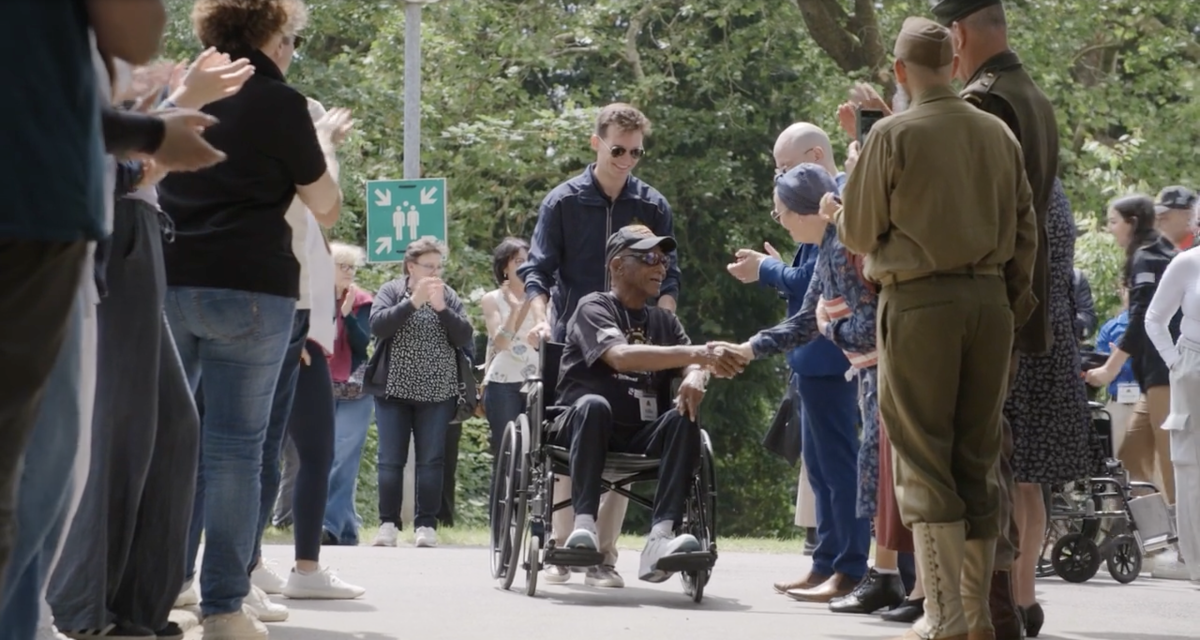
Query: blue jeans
pixel 233 341
pixel 352 421
pixel 829 432
pixel 426 424
pixel 502 403
pixel 44 492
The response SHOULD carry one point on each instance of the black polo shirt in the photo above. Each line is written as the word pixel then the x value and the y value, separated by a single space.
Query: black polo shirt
pixel 230 231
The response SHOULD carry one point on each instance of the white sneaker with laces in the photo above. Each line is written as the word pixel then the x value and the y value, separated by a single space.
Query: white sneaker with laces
pixel 265 578
pixel 583 539
pixel 604 575
pixel 189 596
pixel 321 584
pixel 425 537
pixel 659 545
pixel 261 606
pixel 557 574
pixel 387 535
pixel 239 625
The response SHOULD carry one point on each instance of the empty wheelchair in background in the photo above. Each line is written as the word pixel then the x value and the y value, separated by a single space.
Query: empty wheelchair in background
pixel 1100 521
pixel 522 500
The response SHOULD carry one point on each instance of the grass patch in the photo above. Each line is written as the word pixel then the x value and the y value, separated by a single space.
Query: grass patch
pixel 478 537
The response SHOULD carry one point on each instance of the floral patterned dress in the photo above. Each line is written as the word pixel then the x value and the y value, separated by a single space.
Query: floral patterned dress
pixel 851 303
pixel 1053 437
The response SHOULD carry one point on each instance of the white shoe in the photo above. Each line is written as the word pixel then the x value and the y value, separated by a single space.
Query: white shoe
pixel 49 633
pixel 189 596
pixel 425 537
pixel 605 576
pixel 261 606
pixel 557 574
pixel 583 539
pixel 659 545
pixel 266 579
pixel 239 625
pixel 320 585
pixel 387 535
pixel 1169 566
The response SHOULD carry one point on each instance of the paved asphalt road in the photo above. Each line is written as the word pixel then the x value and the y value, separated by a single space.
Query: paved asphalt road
pixel 447 593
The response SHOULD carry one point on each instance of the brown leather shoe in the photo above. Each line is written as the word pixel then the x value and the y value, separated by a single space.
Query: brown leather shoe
pixel 835 587
pixel 810 581
pixel 1005 619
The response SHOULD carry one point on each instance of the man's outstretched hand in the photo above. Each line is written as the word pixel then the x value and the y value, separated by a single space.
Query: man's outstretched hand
pixel 727 360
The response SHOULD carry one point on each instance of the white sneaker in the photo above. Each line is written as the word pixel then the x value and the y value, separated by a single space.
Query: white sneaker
pixel 239 625
pixel 320 585
pixel 387 535
pixel 583 539
pixel 659 545
pixel 557 574
pixel 425 537
pixel 604 575
pixel 1169 566
pixel 49 633
pixel 261 606
pixel 189 596
pixel 266 579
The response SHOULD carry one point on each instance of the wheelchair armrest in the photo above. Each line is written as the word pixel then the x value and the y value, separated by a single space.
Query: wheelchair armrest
pixel 553 412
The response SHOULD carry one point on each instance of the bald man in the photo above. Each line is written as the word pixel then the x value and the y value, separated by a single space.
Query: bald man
pixel 828 402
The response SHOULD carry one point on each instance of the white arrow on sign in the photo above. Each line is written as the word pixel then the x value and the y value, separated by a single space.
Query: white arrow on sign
pixel 383 198
pixel 384 245
pixel 427 195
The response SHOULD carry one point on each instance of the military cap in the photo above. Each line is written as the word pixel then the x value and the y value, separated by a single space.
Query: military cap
pixel 949 11
pixel 924 42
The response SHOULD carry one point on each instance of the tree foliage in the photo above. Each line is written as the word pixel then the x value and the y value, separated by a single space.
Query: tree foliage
pixel 511 87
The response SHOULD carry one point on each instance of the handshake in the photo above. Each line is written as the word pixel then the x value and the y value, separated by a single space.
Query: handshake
pixel 724 359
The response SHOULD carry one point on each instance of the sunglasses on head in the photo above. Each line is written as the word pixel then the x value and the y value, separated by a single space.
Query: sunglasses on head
pixel 649 259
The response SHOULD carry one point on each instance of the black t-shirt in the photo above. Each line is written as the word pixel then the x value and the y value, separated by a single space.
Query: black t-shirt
pixel 230 231
pixel 600 323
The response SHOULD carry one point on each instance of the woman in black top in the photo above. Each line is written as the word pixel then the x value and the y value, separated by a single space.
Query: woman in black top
pixel 420 326
pixel 1147 253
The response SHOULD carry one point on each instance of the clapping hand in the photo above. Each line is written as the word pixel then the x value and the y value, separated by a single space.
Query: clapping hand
pixel 335 125
pixel 437 293
pixel 211 77
pixel 348 301
pixel 745 265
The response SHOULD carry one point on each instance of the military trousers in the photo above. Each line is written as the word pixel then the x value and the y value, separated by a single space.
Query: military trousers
pixel 944 344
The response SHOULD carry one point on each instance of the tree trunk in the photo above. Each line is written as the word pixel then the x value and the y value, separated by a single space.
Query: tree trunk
pixel 853 41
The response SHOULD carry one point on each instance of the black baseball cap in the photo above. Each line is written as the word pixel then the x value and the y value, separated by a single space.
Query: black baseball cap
pixel 636 238
pixel 1175 197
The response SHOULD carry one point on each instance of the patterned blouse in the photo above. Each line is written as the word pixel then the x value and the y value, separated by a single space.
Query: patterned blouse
pixel 850 300
pixel 423 366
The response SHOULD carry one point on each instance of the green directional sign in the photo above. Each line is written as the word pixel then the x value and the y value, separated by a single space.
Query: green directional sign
pixel 400 211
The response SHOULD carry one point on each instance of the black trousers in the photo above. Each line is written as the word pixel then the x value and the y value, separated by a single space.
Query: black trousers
pixel 587 429
pixel 125 554
pixel 38 283
pixel 311 430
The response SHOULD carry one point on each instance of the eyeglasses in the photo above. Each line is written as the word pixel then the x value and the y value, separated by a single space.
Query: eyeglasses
pixel 776 215
pixel 348 268
pixel 650 259
pixel 295 40
pixel 617 151
pixel 429 268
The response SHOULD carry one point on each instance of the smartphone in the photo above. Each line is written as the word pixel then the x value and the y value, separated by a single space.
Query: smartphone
pixel 865 119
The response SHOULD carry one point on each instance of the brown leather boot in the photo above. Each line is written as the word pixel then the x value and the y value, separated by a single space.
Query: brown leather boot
pixel 1005 619
pixel 810 581
pixel 835 587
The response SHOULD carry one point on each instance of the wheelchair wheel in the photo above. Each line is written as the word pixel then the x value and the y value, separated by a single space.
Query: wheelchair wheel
pixel 533 563
pixel 509 501
pixel 1125 561
pixel 1076 558
pixel 700 518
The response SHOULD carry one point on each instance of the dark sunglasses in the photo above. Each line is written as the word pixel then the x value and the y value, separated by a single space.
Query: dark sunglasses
pixel 617 151
pixel 650 259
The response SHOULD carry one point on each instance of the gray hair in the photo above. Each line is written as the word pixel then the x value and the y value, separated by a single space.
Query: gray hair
pixel 347 254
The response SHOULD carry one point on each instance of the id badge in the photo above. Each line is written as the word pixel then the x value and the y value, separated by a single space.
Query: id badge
pixel 648 403
pixel 1128 393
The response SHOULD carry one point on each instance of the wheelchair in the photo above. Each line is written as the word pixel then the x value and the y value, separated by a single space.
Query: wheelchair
pixel 522 496
pixel 1099 521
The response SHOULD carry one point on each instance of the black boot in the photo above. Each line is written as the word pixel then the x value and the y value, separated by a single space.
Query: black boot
pixel 908 612
pixel 876 591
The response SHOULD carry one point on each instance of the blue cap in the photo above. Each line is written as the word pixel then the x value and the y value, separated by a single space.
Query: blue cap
pixel 803 186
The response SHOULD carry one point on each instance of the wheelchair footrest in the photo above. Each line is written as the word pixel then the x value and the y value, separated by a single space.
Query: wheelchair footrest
pixel 687 562
pixel 573 557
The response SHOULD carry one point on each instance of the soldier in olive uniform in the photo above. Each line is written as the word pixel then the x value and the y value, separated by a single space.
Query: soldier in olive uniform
pixel 996 82
pixel 940 206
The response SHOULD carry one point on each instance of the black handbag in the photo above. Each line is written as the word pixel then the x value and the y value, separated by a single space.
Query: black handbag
pixel 468 389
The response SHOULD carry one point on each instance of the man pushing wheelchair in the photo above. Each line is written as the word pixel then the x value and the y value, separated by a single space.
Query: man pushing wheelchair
pixel 619 361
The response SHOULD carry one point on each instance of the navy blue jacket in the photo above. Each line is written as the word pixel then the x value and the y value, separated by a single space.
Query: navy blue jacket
pixel 566 256
pixel 819 357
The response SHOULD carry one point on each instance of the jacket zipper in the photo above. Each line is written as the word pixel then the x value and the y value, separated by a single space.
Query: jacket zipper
pixel 607 235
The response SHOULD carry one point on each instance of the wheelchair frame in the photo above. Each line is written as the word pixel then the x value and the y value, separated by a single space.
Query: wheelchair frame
pixel 522 498
pixel 1099 525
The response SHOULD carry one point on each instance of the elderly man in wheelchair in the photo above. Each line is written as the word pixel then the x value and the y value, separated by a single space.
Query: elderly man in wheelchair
pixel 619 355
